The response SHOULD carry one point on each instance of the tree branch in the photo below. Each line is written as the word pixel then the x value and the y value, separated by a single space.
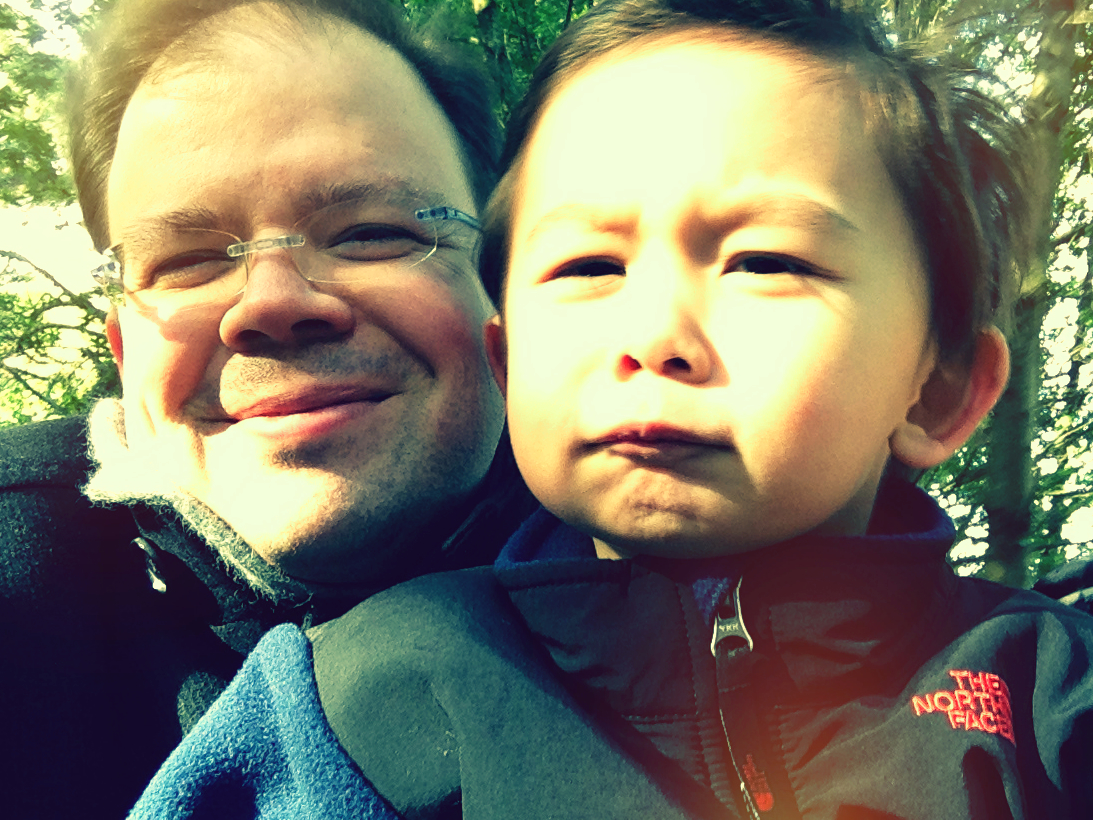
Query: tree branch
pixel 17 375
pixel 78 299
pixel 1066 238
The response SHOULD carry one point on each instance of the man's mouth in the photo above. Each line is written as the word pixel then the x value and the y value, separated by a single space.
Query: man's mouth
pixel 294 418
pixel 310 400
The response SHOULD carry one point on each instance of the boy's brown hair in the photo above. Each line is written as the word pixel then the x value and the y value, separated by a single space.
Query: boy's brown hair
pixel 952 152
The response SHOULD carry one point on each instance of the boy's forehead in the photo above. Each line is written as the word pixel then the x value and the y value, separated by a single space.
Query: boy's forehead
pixel 721 38
pixel 641 60
pixel 719 107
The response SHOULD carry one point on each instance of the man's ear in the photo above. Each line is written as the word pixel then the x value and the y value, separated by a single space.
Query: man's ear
pixel 113 336
pixel 952 403
pixel 496 352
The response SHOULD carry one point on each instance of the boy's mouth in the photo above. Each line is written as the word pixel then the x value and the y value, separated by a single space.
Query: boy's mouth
pixel 658 443
pixel 654 433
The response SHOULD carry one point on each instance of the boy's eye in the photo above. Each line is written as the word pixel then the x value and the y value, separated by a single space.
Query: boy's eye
pixel 591 269
pixel 769 264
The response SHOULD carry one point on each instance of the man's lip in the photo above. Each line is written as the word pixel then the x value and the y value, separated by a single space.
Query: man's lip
pixel 304 401
pixel 657 433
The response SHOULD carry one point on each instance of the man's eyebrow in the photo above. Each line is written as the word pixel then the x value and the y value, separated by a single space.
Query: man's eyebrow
pixel 145 231
pixel 383 192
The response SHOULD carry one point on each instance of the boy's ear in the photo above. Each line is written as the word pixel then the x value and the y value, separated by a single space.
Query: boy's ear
pixel 496 352
pixel 952 403
pixel 113 336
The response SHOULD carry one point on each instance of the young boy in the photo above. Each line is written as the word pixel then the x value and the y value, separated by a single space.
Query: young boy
pixel 750 256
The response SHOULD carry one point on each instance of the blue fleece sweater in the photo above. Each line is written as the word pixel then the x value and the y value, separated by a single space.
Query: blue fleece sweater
pixel 264 751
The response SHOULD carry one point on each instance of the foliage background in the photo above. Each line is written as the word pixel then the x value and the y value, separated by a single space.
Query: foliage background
pixel 1021 492
pixel 54 359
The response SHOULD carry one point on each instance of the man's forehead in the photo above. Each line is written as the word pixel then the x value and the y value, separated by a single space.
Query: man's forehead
pixel 271 140
pixel 243 33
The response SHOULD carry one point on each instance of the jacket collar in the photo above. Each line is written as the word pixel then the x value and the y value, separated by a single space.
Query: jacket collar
pixel 833 612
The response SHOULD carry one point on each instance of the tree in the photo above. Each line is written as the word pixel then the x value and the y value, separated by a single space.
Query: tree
pixel 1021 479
pixel 30 165
pixel 54 359
pixel 510 35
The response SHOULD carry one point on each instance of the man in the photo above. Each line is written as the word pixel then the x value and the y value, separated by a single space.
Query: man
pixel 289 188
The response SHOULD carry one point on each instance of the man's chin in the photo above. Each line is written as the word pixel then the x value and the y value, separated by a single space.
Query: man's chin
pixel 326 543
pixel 331 561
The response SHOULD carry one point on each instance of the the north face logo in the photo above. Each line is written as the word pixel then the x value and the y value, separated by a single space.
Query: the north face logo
pixel 980 702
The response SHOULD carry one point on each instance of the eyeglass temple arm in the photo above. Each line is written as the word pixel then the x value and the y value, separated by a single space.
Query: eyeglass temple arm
pixel 446 212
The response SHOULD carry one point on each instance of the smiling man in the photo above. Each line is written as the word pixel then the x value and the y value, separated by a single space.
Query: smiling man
pixel 288 192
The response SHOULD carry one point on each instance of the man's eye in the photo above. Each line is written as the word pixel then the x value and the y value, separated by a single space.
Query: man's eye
pixel 768 264
pixel 376 243
pixel 590 269
pixel 188 270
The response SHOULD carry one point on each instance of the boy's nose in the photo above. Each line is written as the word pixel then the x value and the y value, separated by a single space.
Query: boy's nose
pixel 667 336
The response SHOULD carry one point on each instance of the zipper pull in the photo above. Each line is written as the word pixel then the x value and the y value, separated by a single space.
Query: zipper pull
pixel 728 622
pixel 154 574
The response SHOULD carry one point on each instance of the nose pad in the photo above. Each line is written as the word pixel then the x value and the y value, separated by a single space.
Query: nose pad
pixel 245 252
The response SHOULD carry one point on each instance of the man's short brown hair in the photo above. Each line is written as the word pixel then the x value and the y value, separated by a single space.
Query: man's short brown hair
pixel 135 33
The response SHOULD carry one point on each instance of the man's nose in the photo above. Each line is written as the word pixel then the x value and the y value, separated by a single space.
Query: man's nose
pixel 280 307
pixel 666 317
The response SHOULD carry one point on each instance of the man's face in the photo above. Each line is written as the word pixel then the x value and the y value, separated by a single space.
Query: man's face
pixel 329 424
pixel 715 315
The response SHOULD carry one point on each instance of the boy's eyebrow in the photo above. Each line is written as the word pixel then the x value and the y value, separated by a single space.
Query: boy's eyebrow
pixel 779 208
pixel 791 209
pixel 589 215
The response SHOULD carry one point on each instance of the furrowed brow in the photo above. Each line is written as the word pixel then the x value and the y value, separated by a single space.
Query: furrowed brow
pixel 583 216
pixel 794 210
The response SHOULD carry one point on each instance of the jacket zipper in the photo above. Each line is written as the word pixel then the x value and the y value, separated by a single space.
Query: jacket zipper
pixel 733 627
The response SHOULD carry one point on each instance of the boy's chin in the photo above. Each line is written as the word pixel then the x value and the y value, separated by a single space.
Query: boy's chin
pixel 674 541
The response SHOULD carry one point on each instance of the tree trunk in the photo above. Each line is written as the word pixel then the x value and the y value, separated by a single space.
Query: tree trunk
pixel 1011 479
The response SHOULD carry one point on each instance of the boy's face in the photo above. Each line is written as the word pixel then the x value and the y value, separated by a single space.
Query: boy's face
pixel 716 315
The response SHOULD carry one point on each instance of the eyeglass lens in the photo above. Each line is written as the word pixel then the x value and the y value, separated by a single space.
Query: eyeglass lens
pixel 345 242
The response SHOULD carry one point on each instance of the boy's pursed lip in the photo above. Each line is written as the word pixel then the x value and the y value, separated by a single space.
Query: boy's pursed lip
pixel 657 443
pixel 657 433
